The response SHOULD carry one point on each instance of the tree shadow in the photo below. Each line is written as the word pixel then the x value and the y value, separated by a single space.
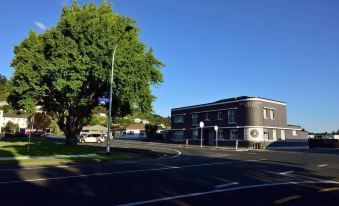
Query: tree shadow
pixel 116 183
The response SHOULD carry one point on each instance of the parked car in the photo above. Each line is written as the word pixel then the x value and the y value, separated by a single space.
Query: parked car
pixel 91 138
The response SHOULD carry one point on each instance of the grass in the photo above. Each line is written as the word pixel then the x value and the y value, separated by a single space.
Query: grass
pixel 40 146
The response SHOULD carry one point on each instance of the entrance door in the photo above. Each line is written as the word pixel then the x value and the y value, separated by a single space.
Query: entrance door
pixel 211 138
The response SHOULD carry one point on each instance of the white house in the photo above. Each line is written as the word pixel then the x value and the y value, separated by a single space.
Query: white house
pixel 17 119
pixel 134 131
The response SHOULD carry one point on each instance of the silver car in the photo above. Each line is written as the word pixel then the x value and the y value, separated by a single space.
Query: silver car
pixel 92 138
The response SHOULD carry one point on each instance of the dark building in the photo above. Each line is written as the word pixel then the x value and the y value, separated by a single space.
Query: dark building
pixel 248 119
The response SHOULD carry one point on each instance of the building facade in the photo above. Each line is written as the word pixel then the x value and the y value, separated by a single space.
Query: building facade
pixel 17 119
pixel 246 119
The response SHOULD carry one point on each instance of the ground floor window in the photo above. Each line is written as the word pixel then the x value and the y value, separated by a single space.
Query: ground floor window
pixel 195 134
pixel 234 133
pixel 179 135
pixel 220 134
pixel 294 133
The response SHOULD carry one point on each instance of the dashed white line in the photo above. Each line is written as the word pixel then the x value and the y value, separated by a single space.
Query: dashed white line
pixel 285 173
pixel 226 190
pixel 322 165
pixel 226 185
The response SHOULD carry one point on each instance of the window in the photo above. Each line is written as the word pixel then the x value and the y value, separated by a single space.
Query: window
pixel 206 117
pixel 195 134
pixel 179 119
pixel 219 115
pixel 231 116
pixel 266 134
pixel 274 134
pixel 194 120
pixel 265 113
pixel 178 135
pixel 220 134
pixel 234 134
pixel 272 113
pixel 294 133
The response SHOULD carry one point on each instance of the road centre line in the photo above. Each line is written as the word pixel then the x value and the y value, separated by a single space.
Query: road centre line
pixel 227 190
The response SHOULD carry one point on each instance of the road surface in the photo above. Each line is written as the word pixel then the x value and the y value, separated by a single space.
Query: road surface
pixel 184 176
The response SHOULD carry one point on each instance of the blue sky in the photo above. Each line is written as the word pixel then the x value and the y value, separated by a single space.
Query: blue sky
pixel 286 50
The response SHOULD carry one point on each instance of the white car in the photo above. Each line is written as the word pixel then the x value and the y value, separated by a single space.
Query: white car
pixel 92 138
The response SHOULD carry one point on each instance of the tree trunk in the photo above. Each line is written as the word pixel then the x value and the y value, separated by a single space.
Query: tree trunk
pixel 72 131
pixel 71 139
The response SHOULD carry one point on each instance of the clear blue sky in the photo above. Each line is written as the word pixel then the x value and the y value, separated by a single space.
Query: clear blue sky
pixel 286 50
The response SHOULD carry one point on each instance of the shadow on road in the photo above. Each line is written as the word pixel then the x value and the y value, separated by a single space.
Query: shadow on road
pixel 115 183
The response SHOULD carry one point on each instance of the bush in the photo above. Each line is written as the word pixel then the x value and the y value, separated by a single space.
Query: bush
pixel 10 126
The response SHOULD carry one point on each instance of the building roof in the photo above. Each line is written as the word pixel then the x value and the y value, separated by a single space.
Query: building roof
pixel 136 126
pixel 95 128
pixel 230 100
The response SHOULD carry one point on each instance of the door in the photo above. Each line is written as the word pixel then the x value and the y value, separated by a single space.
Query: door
pixel 282 134
pixel 211 138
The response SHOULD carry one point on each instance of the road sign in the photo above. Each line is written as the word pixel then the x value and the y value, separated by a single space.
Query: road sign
pixel 103 100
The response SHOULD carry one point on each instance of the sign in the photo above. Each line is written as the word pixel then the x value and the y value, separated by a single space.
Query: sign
pixel 103 100
pixel 216 128
pixel 201 124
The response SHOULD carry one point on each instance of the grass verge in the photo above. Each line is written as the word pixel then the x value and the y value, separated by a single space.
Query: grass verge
pixel 40 146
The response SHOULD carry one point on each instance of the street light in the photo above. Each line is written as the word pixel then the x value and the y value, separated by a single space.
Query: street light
pixel 127 29
pixel 216 135
pixel 201 125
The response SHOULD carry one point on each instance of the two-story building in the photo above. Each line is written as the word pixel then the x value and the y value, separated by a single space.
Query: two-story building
pixel 248 119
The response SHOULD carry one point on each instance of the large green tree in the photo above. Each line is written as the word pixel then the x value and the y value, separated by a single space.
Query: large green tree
pixel 67 68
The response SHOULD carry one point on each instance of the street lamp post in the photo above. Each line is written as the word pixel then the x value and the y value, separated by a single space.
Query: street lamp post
pixel 216 135
pixel 201 124
pixel 108 146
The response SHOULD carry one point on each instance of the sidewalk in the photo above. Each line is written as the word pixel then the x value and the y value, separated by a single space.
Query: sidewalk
pixel 46 157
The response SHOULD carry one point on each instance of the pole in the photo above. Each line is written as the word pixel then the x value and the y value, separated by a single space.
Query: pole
pixel 30 132
pixel 216 139
pixel 108 146
pixel 201 138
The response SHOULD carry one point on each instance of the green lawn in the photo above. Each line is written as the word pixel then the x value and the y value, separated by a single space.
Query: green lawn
pixel 40 146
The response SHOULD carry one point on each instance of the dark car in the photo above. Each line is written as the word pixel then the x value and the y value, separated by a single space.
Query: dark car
pixel 9 133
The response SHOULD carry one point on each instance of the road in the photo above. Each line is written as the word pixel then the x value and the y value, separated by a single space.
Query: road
pixel 184 176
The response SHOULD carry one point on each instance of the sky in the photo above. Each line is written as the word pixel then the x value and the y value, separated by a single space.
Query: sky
pixel 287 50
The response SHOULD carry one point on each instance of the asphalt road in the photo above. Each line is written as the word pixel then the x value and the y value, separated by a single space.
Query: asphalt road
pixel 184 176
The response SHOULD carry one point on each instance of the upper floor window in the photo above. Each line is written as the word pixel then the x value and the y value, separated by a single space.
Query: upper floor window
pixel 265 114
pixel 206 117
pixel 231 116
pixel 194 119
pixel 219 115
pixel 272 113
pixel 179 119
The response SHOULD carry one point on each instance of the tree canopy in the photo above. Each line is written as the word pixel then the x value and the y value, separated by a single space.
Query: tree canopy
pixel 4 88
pixel 67 68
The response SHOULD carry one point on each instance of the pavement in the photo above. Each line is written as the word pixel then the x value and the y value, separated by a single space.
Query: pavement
pixel 183 176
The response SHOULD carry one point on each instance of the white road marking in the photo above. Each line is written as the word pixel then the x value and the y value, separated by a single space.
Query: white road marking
pixel 63 166
pixel 262 159
pixel 120 172
pixel 226 185
pixel 226 190
pixel 323 165
pixel 285 173
pixel 252 153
